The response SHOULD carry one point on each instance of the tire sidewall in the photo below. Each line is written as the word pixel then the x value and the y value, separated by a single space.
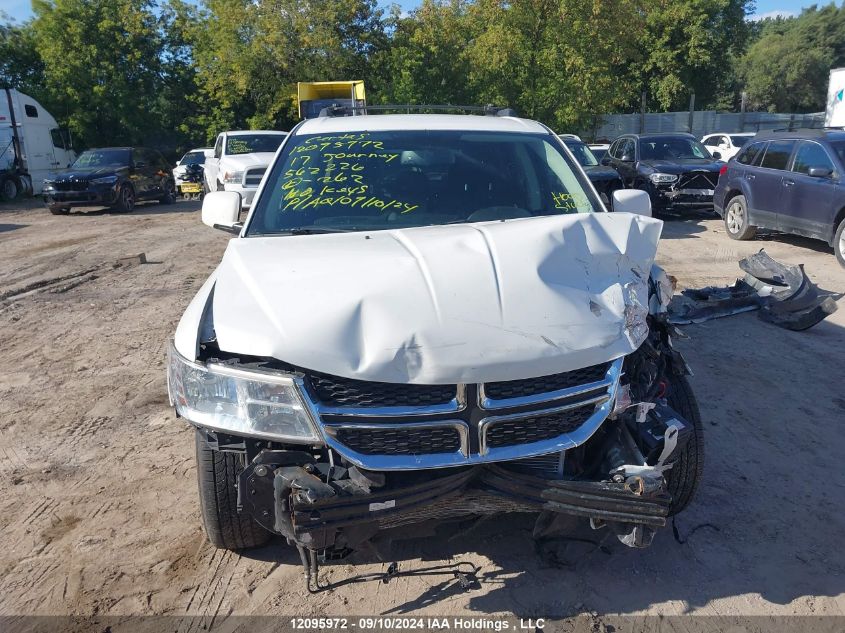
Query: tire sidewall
pixel 839 243
pixel 738 201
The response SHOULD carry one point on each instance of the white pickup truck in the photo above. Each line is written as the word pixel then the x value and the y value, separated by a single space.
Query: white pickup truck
pixel 239 161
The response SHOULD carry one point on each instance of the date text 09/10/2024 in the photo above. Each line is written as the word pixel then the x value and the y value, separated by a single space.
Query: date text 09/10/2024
pixel 417 623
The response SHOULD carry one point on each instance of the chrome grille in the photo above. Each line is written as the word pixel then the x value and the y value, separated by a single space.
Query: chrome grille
pixel 544 384
pixel 386 426
pixel 537 428
pixel 402 441
pixel 71 184
pixel 252 177
pixel 347 392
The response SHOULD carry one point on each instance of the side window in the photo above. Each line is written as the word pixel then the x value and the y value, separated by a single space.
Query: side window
pixel 627 149
pixel 811 155
pixel 31 111
pixel 749 153
pixel 707 140
pixel 218 147
pixel 58 141
pixel 611 151
pixel 777 154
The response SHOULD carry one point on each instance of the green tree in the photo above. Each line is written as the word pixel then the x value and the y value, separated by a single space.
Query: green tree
pixel 688 47
pixel 787 68
pixel 427 62
pixel 20 65
pixel 249 54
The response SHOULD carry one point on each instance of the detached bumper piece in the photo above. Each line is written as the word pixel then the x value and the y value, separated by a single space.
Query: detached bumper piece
pixel 783 294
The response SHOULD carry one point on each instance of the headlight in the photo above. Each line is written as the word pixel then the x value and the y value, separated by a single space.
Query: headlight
pixel 105 180
pixel 47 184
pixel 233 176
pixel 244 402
pixel 662 179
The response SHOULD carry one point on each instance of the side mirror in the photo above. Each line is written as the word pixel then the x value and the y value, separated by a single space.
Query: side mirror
pixel 633 201
pixel 178 162
pixel 209 153
pixel 819 172
pixel 717 155
pixel 220 210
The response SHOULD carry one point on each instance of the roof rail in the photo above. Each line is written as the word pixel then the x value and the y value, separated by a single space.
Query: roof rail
pixel 346 110
pixel 812 132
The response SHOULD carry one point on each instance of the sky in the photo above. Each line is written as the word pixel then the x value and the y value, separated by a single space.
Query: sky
pixel 21 10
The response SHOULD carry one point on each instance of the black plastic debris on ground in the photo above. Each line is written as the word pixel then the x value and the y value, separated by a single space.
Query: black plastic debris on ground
pixel 783 294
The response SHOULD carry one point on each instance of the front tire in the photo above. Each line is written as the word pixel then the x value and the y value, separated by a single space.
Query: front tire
pixel 9 189
pixel 217 475
pixel 169 196
pixel 125 199
pixel 736 220
pixel 839 243
pixel 688 465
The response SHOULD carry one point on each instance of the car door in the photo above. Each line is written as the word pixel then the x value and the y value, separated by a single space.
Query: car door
pixel 145 166
pixel 624 161
pixel 768 182
pixel 211 168
pixel 808 206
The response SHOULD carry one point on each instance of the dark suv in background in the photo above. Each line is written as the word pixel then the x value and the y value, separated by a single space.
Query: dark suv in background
pixel 789 182
pixel 676 170
pixel 115 177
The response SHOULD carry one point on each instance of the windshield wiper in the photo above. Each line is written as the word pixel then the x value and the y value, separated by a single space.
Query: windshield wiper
pixel 311 230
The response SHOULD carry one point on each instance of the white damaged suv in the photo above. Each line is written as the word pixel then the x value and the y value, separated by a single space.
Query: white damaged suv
pixel 432 316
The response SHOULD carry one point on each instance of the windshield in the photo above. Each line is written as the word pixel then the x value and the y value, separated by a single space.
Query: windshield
pixel 103 158
pixel 582 153
pixel 739 141
pixel 193 158
pixel 384 180
pixel 249 143
pixel 672 148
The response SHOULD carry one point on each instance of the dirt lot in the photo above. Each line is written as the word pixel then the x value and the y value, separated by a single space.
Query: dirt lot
pixel 98 505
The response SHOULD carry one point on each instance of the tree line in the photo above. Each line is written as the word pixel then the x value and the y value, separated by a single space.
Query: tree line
pixel 172 74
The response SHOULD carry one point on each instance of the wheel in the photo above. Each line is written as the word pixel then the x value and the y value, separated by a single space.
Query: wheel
pixel 687 466
pixel 736 220
pixel 125 199
pixel 59 210
pixel 169 196
pixel 9 189
pixel 839 243
pixel 217 474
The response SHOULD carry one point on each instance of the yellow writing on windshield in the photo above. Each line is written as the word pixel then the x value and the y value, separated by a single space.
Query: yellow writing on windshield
pixel 571 203
pixel 343 170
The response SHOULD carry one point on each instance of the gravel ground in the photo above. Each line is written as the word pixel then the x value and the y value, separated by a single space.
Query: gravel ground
pixel 98 503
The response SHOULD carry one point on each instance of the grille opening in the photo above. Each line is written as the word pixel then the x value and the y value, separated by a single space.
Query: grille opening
pixel 411 441
pixel 545 384
pixel 537 428
pixel 348 392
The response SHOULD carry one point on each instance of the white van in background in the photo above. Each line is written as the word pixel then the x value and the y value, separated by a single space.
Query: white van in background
pixel 31 145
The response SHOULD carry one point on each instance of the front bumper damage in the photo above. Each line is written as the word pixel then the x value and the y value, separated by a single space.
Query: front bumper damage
pixel 332 510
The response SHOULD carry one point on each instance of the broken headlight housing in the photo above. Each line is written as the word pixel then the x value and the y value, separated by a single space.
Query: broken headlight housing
pixel 224 398
pixel 662 179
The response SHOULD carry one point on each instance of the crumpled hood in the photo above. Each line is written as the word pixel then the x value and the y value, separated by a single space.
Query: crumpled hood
pixel 440 305
pixel 244 161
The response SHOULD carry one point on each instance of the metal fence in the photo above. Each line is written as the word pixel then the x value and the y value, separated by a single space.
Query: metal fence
pixel 702 122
